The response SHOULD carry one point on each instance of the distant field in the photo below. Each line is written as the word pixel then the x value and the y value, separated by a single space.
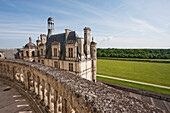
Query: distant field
pixel 137 59
pixel 155 73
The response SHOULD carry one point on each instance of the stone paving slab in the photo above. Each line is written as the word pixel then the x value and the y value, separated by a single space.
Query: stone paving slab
pixel 12 101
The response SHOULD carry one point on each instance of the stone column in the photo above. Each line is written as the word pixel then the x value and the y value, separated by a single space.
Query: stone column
pixel 20 72
pixel 4 71
pixel 55 101
pixel 31 81
pixel 42 90
pixel 48 95
pixel 38 86
pixel 0 70
pixel 34 85
pixel 13 74
pixel 21 77
pixel 64 105
pixel 69 108
pixel 7 71
pixel 26 80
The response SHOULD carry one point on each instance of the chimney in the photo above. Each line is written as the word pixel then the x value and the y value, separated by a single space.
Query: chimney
pixel 67 31
pixel 81 47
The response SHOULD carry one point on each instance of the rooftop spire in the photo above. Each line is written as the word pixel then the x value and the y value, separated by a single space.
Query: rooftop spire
pixel 30 40
pixel 92 39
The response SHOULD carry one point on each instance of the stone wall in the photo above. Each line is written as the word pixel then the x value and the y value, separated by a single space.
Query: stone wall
pixel 62 92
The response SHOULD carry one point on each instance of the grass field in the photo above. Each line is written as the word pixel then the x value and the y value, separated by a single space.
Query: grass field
pixel 151 88
pixel 137 59
pixel 155 73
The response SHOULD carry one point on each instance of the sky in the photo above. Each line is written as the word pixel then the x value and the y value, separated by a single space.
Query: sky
pixel 113 23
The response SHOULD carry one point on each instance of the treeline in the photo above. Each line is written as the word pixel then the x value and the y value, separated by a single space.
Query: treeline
pixel 134 53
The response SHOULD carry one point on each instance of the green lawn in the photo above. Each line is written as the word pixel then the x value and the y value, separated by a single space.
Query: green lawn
pixel 151 88
pixel 156 73
pixel 137 59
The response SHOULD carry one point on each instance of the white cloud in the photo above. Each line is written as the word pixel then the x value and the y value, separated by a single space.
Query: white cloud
pixel 146 25
pixel 103 39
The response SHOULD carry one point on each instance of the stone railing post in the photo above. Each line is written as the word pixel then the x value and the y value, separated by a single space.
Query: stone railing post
pixel 42 91
pixel 48 95
pixel 34 86
pixel 38 86
pixel 7 71
pixel 55 101
pixel 0 69
pixel 3 71
pixel 13 73
pixel 26 80
pixel 64 105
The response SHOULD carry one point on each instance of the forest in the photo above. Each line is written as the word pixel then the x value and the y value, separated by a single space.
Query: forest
pixel 134 53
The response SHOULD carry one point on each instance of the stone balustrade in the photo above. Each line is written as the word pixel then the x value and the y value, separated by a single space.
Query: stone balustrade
pixel 61 92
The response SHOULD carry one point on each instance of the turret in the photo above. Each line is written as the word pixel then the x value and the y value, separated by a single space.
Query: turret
pixel 87 36
pixel 93 52
pixel 50 27
pixel 93 49
pixel 43 38
pixel 38 42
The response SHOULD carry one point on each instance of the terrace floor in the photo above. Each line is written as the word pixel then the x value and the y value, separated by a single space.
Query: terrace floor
pixel 11 101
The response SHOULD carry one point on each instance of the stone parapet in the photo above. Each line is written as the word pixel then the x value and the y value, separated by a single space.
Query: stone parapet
pixel 61 91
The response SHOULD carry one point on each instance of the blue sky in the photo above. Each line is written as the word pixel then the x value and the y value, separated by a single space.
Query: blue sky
pixel 114 23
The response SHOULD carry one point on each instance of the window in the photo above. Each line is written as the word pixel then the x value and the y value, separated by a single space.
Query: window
pixel 41 51
pixel 33 53
pixel 27 53
pixel 55 52
pixel 70 66
pixel 0 55
pixel 70 50
pixel 56 65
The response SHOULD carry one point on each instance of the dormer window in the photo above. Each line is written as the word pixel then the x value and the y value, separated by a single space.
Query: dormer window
pixel 70 50
pixel 55 52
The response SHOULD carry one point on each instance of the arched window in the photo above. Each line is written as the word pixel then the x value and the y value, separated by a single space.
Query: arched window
pixel 33 53
pixel 27 53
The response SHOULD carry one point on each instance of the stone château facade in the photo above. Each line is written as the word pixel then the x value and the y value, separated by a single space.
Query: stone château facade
pixel 66 51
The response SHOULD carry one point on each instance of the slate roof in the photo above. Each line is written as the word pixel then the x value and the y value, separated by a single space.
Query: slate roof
pixel 50 19
pixel 10 53
pixel 30 45
pixel 61 39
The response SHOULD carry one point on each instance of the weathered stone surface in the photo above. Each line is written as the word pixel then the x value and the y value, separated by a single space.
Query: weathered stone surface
pixel 83 95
